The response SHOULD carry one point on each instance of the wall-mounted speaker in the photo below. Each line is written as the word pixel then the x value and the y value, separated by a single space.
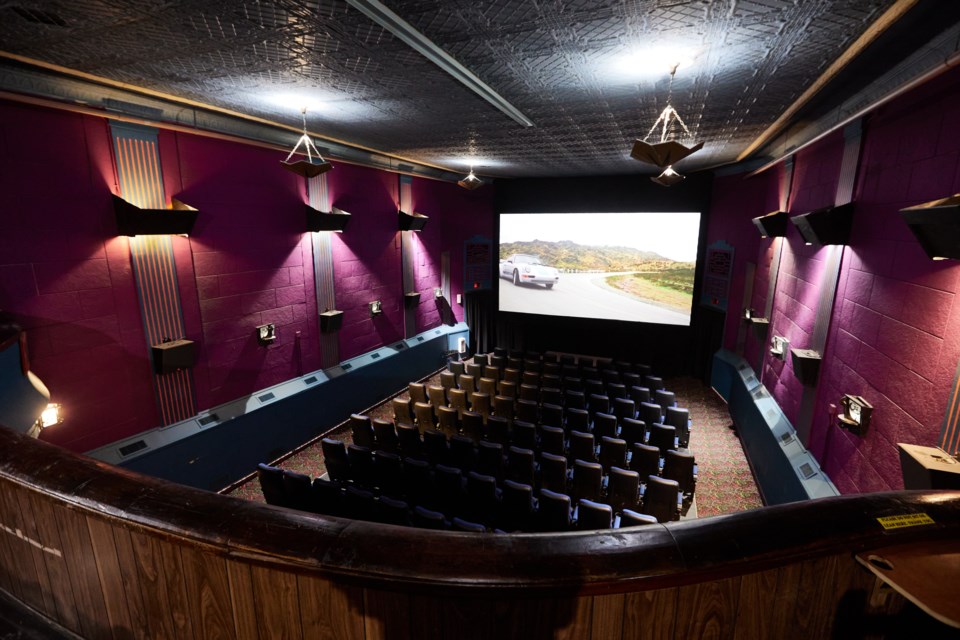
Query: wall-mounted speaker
pixel 772 225
pixel 936 225
pixel 829 225
pixel 172 355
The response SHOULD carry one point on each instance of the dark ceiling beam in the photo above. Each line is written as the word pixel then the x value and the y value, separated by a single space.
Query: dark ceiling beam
pixel 32 81
pixel 884 22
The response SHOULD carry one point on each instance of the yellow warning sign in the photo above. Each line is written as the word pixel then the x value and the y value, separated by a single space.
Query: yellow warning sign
pixel 905 520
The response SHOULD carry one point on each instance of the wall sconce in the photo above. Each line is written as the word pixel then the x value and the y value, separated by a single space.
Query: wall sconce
pixel 266 333
pixel 779 347
pixel 772 225
pixel 50 416
pixel 936 226
pixel 829 225
pixel 376 308
pixel 411 221
pixel 856 414
pixel 437 292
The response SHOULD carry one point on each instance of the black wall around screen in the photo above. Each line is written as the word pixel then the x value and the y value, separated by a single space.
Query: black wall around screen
pixel 672 350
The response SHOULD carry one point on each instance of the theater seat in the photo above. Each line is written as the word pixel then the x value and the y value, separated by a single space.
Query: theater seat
pixel 385 436
pixel 362 430
pixel 594 515
pixel 427 518
pixel 296 486
pixel 392 511
pixel 682 468
pixel 553 472
pixel 661 499
pixel 459 524
pixel 417 391
pixel 335 459
pixel 631 518
pixel 679 419
pixel 271 484
pixel 553 511
pixel 447 420
pixel 516 507
pixel 587 480
pixel 623 489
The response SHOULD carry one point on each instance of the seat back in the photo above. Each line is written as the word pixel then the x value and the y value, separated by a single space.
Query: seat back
pixel 362 431
pixel 639 393
pixel 665 399
pixel 392 511
pixel 633 430
pixel 471 423
pixel 661 499
pixel 553 472
pixel 679 466
pixel 645 460
pixel 605 425
pixel 551 395
pixel 424 414
pixel 459 524
pixel 481 504
pixel 594 515
pixel 597 403
pixel 327 498
pixel 530 393
pixel 468 384
pixel 649 412
pixel 623 489
pixel 554 511
pixel 388 473
pixel 401 411
pixel 507 388
pixel 520 465
pixel 447 420
pixel 417 482
pixel 497 430
pixel 653 382
pixel 435 446
pixel 271 484
pixel 523 434
pixel 385 436
pixel 582 446
pixel 474 371
pixel 417 391
pixel 587 480
pixel 359 504
pixel 624 408
pixel 503 407
pixel 616 390
pixel 481 359
pixel 679 419
pixel 361 466
pixel 448 488
pixel 488 386
pixel 458 401
pixel 409 439
pixel 437 396
pixel 663 437
pixel 551 414
pixel 427 518
pixel 490 459
pixel 577 419
pixel 335 459
pixel 516 506
pixel 463 453
pixel 490 373
pixel 527 411
pixel 551 440
pixel 456 368
pixel 630 518
pixel 530 378
pixel 448 381
pixel 512 374
pixel 613 453
pixel 480 403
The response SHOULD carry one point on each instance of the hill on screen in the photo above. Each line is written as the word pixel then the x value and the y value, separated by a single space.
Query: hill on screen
pixel 570 255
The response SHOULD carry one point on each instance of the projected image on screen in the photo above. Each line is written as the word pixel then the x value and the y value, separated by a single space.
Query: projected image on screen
pixel 615 266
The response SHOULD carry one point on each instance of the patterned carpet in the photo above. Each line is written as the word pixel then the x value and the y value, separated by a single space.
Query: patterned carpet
pixel 725 483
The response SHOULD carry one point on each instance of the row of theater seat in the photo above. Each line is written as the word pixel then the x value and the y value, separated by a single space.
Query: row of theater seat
pixel 638 448
pixel 443 498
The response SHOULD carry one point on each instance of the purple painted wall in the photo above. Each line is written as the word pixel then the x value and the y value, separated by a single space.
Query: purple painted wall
pixel 69 281
pixel 895 331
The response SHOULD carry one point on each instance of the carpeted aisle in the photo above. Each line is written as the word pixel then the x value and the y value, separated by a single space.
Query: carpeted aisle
pixel 725 483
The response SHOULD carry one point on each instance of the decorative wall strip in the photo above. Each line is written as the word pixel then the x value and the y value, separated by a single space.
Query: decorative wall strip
pixel 141 183
pixel 323 275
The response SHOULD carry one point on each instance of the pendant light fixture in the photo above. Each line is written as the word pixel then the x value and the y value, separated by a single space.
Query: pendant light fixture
pixel 306 168
pixel 666 152
pixel 471 181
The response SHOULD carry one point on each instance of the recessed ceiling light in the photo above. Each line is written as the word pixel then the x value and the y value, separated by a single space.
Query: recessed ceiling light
pixel 653 61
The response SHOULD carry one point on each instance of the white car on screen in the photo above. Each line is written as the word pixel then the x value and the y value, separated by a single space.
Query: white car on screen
pixel 522 268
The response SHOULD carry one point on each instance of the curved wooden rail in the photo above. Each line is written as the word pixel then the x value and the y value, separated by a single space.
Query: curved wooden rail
pixel 102 551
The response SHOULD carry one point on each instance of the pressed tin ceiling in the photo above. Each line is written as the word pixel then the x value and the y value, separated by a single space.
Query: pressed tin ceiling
pixel 565 65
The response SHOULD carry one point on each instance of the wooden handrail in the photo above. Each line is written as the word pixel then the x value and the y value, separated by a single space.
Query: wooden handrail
pixel 418 560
